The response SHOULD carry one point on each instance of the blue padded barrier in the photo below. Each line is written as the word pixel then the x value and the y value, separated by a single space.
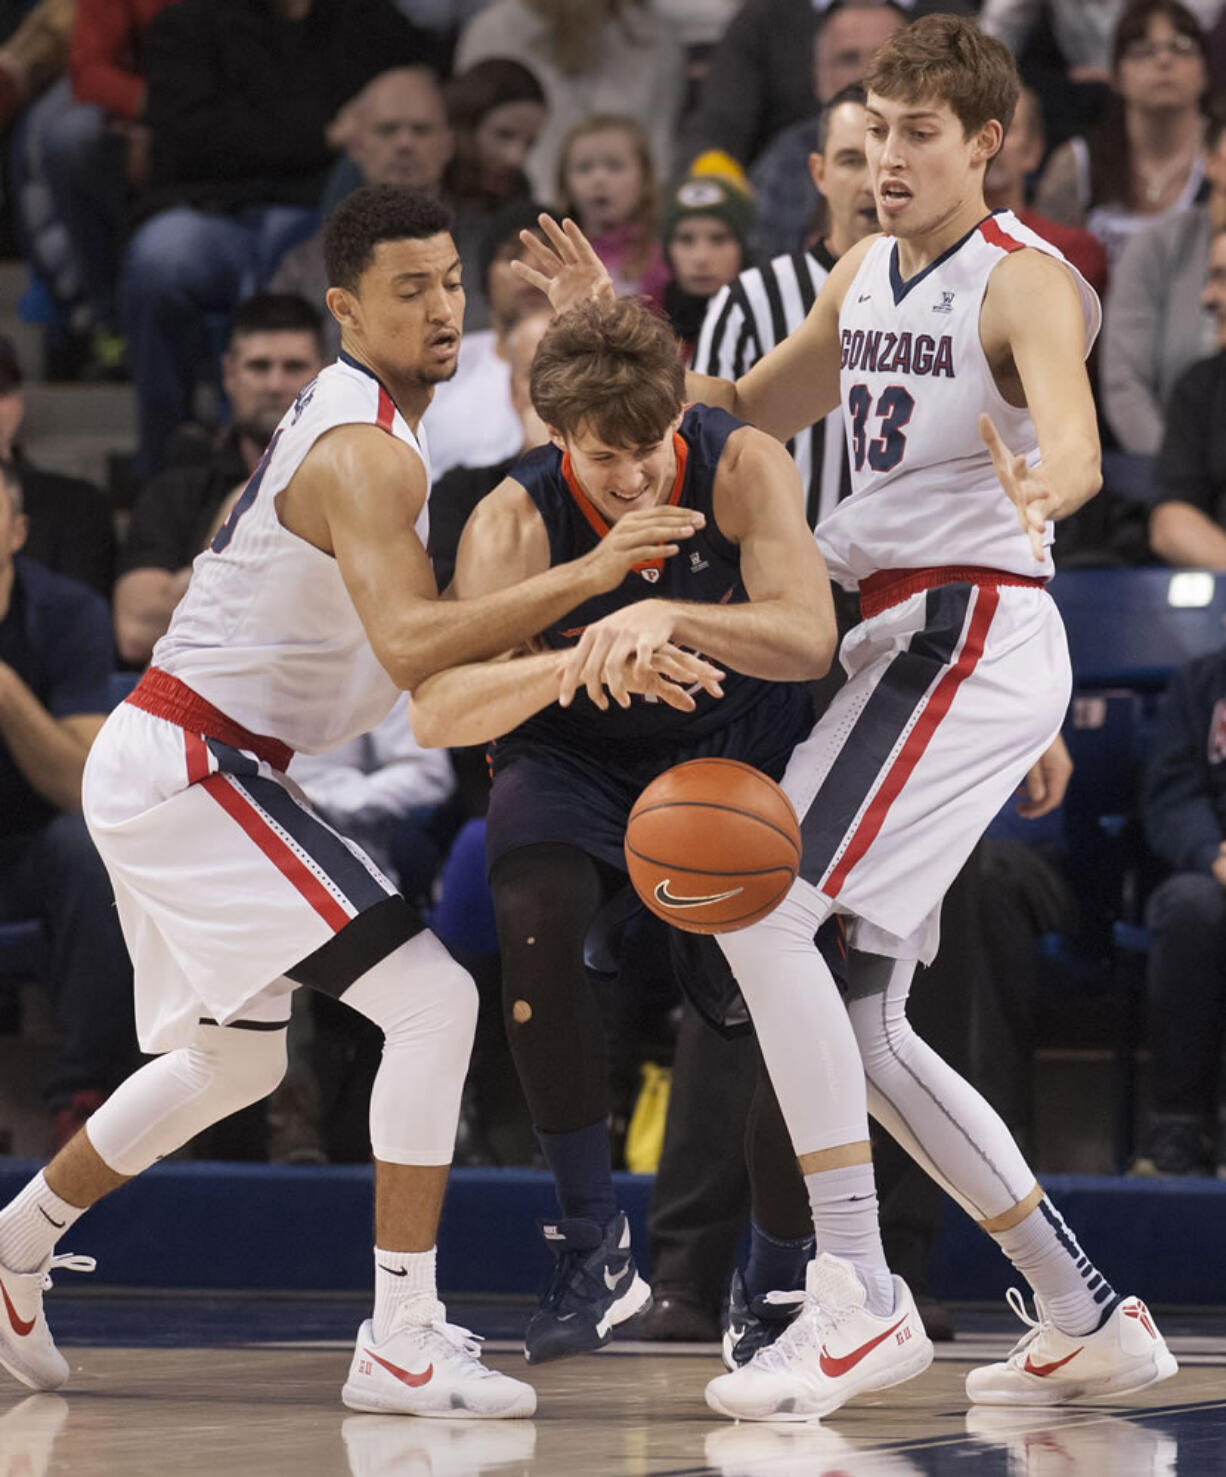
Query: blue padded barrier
pixel 198 1225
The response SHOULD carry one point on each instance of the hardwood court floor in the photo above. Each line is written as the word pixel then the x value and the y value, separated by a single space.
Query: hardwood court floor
pixel 633 1410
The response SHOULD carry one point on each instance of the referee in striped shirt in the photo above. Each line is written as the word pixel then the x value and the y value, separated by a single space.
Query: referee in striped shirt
pixel 764 304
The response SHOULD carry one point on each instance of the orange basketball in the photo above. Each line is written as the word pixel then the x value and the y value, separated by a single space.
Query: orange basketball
pixel 712 845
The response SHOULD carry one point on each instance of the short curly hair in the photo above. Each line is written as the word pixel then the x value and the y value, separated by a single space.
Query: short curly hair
pixel 372 214
pixel 612 367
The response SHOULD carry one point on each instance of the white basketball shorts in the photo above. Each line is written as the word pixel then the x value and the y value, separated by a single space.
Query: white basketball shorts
pixel 225 877
pixel 952 695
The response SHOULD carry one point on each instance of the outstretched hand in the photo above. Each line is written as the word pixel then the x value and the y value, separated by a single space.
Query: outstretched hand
pixel 563 266
pixel 1026 486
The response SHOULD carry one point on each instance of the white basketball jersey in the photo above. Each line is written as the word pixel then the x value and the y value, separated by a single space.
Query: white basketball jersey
pixel 267 631
pixel 914 382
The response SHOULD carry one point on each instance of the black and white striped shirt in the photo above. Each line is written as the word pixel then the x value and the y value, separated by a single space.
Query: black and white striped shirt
pixel 747 319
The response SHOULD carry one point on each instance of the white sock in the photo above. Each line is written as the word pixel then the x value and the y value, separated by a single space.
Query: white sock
pixel 845 1221
pixel 1044 1250
pixel 32 1223
pixel 405 1290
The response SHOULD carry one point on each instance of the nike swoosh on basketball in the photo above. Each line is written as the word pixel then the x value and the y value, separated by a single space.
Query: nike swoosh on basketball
pixel 20 1326
pixel 671 900
pixel 405 1376
pixel 1045 1369
pixel 832 1368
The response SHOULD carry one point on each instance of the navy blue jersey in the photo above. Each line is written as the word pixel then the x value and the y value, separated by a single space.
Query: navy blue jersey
pixel 707 570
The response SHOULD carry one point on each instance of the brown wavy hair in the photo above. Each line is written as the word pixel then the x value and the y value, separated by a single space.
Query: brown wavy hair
pixel 947 58
pixel 611 367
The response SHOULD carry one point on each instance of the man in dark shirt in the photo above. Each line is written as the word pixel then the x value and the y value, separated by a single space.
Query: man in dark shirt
pixel 69 520
pixel 1184 810
pixel 1188 523
pixel 240 96
pixel 55 665
pixel 275 346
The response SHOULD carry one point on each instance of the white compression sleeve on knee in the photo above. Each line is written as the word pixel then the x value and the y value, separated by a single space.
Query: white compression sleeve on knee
pixel 801 1023
pixel 925 1104
pixel 168 1101
pixel 426 1006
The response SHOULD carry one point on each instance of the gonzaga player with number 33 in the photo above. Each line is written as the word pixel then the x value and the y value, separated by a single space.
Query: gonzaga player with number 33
pixel 957 344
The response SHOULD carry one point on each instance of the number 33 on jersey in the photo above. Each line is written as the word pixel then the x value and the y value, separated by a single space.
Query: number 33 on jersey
pixel 914 381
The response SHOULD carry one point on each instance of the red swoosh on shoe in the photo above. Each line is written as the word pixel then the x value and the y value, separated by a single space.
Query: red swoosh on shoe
pixel 405 1376
pixel 20 1326
pixel 832 1368
pixel 1046 1369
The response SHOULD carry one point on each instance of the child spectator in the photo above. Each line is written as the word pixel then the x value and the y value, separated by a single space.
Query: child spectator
pixel 606 181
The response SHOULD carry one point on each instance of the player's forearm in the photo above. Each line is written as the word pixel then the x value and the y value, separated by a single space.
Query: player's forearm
pixel 1181 534
pixel 51 760
pixel 451 633
pixel 473 704
pixel 1073 472
pixel 777 640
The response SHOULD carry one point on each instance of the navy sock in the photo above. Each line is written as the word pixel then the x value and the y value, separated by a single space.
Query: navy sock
pixel 775 1265
pixel 582 1171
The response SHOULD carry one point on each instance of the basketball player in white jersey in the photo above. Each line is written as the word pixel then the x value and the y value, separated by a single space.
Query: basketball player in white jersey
pixel 313 606
pixel 956 323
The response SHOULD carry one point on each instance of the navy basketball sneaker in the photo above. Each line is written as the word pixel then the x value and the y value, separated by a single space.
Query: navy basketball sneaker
pixel 753 1323
pixel 595 1285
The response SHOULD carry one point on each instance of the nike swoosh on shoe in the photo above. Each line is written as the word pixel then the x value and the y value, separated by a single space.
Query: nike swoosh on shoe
pixel 20 1327
pixel 1045 1369
pixel 405 1376
pixel 833 1367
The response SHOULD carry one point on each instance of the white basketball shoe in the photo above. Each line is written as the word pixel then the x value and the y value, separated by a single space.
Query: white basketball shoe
pixel 431 1368
pixel 833 1350
pixel 1047 1367
pixel 27 1349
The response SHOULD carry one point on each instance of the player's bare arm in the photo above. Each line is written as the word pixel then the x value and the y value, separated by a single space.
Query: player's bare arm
pixel 504 543
pixel 786 630
pixel 1038 359
pixel 357 496
pixel 797 382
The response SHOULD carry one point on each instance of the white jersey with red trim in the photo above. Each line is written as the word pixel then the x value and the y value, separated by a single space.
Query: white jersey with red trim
pixel 267 631
pixel 914 382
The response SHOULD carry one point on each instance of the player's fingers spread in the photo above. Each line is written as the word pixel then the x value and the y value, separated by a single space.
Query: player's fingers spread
pixel 529 275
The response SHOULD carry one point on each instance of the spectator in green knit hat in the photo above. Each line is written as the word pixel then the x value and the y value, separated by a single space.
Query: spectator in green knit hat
pixel 708 225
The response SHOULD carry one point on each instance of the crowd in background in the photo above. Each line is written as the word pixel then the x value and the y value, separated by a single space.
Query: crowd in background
pixel 169 163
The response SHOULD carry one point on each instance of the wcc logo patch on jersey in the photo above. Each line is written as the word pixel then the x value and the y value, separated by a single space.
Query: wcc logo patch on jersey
pixel 1217 732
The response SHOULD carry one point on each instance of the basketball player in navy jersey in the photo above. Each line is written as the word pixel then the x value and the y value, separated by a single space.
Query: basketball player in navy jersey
pixel 748 590
pixel 958 323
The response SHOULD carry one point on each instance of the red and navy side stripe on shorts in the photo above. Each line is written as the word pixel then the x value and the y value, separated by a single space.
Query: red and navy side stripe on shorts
pixel 318 863
pixel 927 669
